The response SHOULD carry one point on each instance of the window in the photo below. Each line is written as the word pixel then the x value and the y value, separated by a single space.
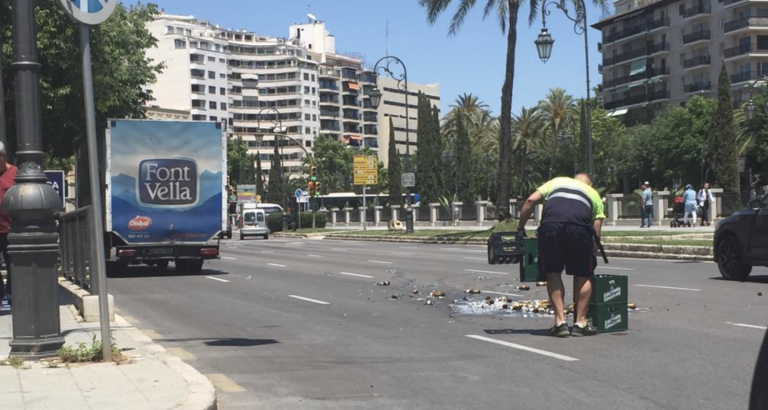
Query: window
pixel 223 61
pixel 178 30
pixel 313 77
pixel 180 43
pixel 168 29
pixel 314 117
pixel 306 130
pixel 306 90
pixel 306 103
pixel 198 89
pixel 762 42
pixel 212 105
pixel 222 91
pixel 187 32
pixel 199 104
pixel 308 143
pixel 197 117
pixel 306 117
pixel 212 118
pixel 211 89
pixel 306 76
pixel 223 106
pixel 222 75
pixel 212 59
pixel 211 75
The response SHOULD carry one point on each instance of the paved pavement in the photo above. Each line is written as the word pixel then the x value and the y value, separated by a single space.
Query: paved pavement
pixel 288 323
pixel 153 379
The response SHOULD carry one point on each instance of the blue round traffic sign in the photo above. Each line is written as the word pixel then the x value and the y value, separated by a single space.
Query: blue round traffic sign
pixel 91 12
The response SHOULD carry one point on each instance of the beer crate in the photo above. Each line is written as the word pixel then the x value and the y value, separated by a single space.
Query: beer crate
pixel 529 262
pixel 608 317
pixel 505 247
pixel 609 289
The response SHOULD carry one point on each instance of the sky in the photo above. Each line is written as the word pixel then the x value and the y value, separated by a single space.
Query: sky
pixel 472 61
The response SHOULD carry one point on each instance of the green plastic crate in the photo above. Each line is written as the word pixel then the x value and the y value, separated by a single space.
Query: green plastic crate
pixel 609 289
pixel 608 317
pixel 529 263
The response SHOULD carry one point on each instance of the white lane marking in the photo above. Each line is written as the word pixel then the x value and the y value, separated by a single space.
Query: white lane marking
pixel 339 249
pixel 401 253
pixel 356 274
pixel 314 256
pixel 277 265
pixel 319 302
pixel 613 268
pixel 476 259
pixel 746 325
pixel 268 251
pixel 220 280
pixel 668 287
pixel 227 257
pixel 525 348
pixel 382 262
pixel 293 243
pixel 500 293
pixel 486 271
pixel 408 247
pixel 661 260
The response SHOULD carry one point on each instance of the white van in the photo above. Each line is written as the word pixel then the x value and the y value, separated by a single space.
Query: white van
pixel 253 222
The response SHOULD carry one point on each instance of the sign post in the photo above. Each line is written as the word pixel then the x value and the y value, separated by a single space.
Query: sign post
pixel 89 13
pixel 366 171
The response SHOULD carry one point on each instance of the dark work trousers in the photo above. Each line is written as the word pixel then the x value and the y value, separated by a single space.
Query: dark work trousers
pixel 4 249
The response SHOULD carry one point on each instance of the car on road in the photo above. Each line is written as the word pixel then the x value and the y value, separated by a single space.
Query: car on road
pixel 741 241
pixel 253 222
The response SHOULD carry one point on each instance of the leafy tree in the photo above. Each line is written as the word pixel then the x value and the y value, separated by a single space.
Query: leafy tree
pixel 275 185
pixel 429 161
pixel 248 172
pixel 463 176
pixel 237 151
pixel 506 13
pixel 121 71
pixel 723 155
pixel 395 166
pixel 259 176
pixel 334 161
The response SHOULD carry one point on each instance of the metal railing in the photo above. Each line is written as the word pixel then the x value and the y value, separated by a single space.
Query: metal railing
pixel 696 61
pixel 696 36
pixel 75 246
pixel 696 10
pixel 696 87
pixel 741 77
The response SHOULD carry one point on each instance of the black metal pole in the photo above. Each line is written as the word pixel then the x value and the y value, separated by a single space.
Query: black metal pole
pixel 408 208
pixel 590 164
pixel 3 122
pixel 31 203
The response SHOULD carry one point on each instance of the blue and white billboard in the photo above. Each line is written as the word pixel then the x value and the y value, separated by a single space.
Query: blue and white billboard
pixel 166 181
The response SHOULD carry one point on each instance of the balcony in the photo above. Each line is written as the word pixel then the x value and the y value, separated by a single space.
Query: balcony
pixel 351 116
pixel 698 87
pixel 629 55
pixel 731 3
pixel 623 102
pixel 697 11
pixel 326 113
pixel 658 95
pixel 627 32
pixel 632 78
pixel 738 50
pixel 741 77
pixel 696 61
pixel 745 22
pixel 697 36
pixel 658 48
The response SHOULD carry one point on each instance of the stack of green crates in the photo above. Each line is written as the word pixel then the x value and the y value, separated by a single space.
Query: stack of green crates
pixel 529 262
pixel 608 307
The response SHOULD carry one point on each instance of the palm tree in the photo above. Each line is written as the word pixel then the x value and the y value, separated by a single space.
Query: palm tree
pixel 558 107
pixel 470 108
pixel 506 12
pixel 528 135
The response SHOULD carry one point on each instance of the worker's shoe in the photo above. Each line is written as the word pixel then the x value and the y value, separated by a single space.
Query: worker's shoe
pixel 560 330
pixel 583 330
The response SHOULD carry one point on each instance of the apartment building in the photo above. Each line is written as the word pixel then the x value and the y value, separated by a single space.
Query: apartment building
pixel 660 53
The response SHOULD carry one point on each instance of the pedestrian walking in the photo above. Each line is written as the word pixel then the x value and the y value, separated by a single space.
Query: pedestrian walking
pixel 689 199
pixel 646 205
pixel 571 221
pixel 705 201
pixel 7 179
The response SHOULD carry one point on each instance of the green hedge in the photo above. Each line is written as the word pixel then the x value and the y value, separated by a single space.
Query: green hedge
pixel 275 221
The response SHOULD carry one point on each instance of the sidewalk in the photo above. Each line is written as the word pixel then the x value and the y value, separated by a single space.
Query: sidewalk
pixel 153 379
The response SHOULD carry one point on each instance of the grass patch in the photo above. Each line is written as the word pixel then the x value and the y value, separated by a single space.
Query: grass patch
pixel 646 233
pixel 93 353
pixel 13 361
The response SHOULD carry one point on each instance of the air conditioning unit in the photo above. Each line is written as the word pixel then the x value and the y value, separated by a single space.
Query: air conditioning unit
pixel 600 68
pixel 599 47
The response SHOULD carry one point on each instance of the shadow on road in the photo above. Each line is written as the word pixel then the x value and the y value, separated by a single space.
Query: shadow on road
pixel 750 279
pixel 533 332
pixel 149 271
pixel 228 342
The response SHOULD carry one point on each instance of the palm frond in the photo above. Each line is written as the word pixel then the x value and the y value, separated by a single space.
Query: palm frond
pixel 533 7
pixel 434 8
pixel 458 18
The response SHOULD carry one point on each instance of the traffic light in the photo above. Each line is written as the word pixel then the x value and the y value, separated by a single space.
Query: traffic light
pixel 317 188
pixel 314 177
pixel 311 188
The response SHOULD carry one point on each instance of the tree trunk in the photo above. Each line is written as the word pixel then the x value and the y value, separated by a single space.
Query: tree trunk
pixel 505 137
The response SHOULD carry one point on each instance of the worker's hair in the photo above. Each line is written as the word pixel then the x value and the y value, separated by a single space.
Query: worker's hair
pixel 583 177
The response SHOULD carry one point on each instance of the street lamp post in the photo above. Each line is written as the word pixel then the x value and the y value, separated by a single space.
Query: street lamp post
pixel 375 96
pixel 750 109
pixel 280 171
pixel 544 45
pixel 32 204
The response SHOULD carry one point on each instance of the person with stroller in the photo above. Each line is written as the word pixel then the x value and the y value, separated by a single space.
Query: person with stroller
pixel 705 201
pixel 689 198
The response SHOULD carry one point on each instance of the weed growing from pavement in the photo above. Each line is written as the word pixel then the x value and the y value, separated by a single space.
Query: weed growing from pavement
pixel 14 361
pixel 93 353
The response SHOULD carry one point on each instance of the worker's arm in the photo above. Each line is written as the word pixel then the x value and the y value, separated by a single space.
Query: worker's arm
pixel 598 224
pixel 527 209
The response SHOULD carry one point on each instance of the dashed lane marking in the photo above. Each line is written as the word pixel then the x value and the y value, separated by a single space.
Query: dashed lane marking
pixel 319 302
pixel 224 383
pixel 524 348
pixel 667 287
pixel 501 293
pixel 382 262
pixel 228 258
pixel 355 274
pixel 476 259
pixel 486 271
pixel 315 256
pixel 267 251
pixel 220 280
pixel 746 325
pixel 276 265
pixel 613 268
pixel 181 353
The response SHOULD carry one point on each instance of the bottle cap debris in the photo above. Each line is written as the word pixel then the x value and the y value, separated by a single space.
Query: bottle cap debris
pixel 472 291
pixel 437 293
pixel 543 283
pixel 384 283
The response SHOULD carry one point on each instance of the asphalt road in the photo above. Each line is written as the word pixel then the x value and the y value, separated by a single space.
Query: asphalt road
pixel 302 324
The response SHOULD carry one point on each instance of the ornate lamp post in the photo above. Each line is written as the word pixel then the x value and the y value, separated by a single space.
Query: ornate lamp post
pixel 32 204
pixel 750 109
pixel 375 96
pixel 544 45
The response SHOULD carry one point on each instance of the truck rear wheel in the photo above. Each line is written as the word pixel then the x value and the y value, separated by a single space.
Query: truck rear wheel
pixel 189 266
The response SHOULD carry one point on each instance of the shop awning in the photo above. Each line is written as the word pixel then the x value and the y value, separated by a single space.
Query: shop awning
pixel 637 67
pixel 618 112
pixel 353 86
pixel 636 83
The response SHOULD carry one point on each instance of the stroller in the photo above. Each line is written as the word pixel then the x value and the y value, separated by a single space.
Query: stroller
pixel 677 213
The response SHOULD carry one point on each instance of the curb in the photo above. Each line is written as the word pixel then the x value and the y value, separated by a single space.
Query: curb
pixel 298 235
pixel 202 394
pixel 659 256
pixel 441 241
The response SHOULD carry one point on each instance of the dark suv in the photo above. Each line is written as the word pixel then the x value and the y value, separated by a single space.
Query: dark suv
pixel 741 241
